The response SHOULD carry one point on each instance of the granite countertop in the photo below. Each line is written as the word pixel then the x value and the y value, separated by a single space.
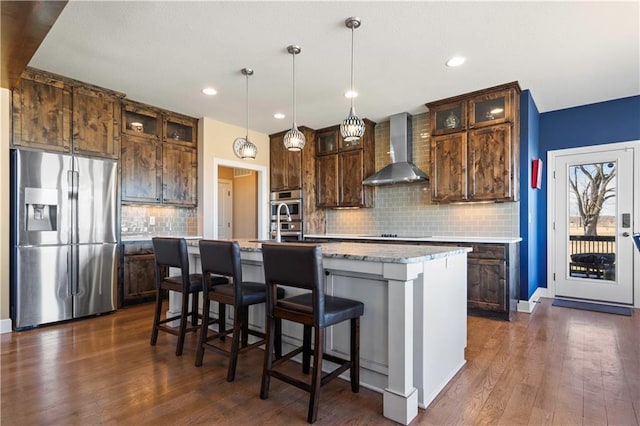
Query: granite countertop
pixel 148 237
pixel 432 238
pixel 388 253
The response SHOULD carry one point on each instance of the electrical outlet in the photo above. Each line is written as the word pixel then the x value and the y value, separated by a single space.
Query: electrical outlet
pixel 152 220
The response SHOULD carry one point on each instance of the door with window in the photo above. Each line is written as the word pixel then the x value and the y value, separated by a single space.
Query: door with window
pixel 592 212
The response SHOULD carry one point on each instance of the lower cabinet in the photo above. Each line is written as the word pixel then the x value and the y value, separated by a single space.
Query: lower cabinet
pixel 137 274
pixel 492 277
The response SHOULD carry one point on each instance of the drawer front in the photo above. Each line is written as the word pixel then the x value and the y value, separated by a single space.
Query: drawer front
pixel 487 251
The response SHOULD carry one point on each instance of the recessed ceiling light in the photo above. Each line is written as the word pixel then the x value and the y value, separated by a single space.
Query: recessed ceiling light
pixel 209 91
pixel 279 115
pixel 456 61
pixel 351 94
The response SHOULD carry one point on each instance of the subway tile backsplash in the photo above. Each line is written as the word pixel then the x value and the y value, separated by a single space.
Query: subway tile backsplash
pixel 158 221
pixel 407 209
pixel 399 211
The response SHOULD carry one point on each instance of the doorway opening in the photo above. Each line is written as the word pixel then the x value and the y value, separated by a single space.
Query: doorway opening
pixel 245 213
pixel 237 203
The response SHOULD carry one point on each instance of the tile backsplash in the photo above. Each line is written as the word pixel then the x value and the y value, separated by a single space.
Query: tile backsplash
pixel 407 209
pixel 158 220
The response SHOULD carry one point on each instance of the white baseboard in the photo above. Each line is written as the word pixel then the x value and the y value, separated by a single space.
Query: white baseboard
pixel 5 326
pixel 527 306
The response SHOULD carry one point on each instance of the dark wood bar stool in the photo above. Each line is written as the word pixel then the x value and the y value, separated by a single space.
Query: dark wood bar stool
pixel 222 258
pixel 172 253
pixel 300 266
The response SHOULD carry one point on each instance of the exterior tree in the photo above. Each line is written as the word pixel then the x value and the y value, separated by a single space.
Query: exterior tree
pixel 590 184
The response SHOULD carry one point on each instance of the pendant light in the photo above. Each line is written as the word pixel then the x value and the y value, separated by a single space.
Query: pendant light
pixel 294 139
pixel 352 128
pixel 243 147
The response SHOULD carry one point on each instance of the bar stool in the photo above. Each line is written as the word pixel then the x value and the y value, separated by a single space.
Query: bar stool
pixel 222 258
pixel 172 253
pixel 300 266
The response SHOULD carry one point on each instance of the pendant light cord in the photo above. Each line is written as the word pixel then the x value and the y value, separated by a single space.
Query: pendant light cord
pixel 294 90
pixel 247 135
pixel 352 93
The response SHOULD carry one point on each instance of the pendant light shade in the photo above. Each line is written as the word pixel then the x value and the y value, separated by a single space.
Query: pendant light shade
pixel 243 147
pixel 352 128
pixel 294 139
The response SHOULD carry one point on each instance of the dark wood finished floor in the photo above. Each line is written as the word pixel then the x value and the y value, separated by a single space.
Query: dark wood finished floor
pixel 557 366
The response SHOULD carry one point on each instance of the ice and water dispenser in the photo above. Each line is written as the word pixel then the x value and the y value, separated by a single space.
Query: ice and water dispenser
pixel 41 209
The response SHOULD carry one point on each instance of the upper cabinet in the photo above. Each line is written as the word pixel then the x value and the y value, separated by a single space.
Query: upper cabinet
pixel 96 123
pixel 159 156
pixel 341 167
pixel 475 146
pixel 54 113
pixel 179 130
pixel 141 120
pixel 286 166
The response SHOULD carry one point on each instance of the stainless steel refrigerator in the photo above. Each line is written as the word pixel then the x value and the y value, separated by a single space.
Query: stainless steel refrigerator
pixel 63 237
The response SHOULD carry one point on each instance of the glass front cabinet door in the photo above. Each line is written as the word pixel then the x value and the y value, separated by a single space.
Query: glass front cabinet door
pixel 449 118
pixel 490 109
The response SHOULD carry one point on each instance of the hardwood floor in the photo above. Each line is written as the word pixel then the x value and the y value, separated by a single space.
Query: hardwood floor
pixel 556 366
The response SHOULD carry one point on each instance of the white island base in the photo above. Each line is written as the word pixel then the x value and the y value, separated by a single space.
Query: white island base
pixel 413 332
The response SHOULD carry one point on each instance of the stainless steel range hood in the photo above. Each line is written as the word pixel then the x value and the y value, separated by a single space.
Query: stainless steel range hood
pixel 401 169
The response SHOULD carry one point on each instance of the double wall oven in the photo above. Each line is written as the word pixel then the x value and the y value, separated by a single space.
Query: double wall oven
pixel 290 231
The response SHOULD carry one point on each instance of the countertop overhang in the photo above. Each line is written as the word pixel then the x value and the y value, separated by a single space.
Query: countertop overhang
pixel 385 253
pixel 433 238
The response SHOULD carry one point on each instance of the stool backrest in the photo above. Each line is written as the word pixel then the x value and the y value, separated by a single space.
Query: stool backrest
pixel 294 265
pixel 171 252
pixel 221 258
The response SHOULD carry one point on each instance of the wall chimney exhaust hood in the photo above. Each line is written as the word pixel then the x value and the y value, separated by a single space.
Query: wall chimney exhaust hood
pixel 401 169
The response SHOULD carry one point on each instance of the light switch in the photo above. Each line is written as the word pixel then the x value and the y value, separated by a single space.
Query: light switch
pixel 152 220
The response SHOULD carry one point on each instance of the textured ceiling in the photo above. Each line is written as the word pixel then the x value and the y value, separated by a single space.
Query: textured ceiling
pixel 163 53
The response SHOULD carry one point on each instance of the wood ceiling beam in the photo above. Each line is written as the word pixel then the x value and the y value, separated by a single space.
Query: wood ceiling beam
pixel 24 25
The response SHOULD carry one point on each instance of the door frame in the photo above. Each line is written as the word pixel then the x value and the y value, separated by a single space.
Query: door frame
pixel 551 205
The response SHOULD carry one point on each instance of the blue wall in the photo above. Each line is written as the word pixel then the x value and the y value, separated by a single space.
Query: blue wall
pixel 595 124
pixel 529 197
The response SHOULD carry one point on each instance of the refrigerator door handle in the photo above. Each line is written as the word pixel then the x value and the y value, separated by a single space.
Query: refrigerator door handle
pixel 73 177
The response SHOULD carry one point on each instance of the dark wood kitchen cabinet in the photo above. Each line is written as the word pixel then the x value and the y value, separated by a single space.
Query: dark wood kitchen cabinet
pixel 449 169
pixel 159 162
pixel 55 113
pixel 179 130
pixel 141 169
pixel 342 166
pixel 96 123
pixel 137 273
pixel 42 112
pixel 327 180
pixel 486 278
pixel 179 174
pixel 285 166
pixel 489 161
pixel 475 146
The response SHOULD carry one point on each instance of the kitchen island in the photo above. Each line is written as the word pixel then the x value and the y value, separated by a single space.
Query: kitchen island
pixel 413 331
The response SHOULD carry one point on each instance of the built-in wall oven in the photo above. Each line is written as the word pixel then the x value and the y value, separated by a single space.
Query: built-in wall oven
pixel 289 231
